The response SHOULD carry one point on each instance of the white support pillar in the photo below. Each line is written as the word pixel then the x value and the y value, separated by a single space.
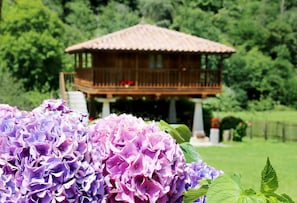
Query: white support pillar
pixel 105 105
pixel 198 117
pixel 172 111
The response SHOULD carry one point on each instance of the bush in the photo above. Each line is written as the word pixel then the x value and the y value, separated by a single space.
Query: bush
pixel 236 124
pixel 263 104
pixel 226 101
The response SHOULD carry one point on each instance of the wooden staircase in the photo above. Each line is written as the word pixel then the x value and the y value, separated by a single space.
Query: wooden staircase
pixel 76 100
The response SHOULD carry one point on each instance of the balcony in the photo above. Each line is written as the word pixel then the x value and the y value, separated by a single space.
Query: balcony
pixel 141 82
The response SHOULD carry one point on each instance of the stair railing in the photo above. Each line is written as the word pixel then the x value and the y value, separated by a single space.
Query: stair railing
pixel 62 86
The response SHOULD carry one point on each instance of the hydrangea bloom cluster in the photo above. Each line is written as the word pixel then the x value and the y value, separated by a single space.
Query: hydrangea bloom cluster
pixel 141 162
pixel 197 171
pixel 45 156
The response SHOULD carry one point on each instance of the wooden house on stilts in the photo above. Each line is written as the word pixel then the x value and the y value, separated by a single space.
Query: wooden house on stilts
pixel 146 60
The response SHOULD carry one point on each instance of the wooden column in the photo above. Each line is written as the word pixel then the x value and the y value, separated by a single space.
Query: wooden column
pixel 206 68
pixel 80 60
pixel 136 70
pixel 75 60
pixel 220 72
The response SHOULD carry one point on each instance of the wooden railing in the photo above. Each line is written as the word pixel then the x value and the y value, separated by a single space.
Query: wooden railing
pixel 66 83
pixel 160 78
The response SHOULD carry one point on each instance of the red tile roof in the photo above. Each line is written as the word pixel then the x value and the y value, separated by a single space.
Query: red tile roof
pixel 144 37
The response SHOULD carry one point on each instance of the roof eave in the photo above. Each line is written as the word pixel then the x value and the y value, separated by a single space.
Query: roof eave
pixel 72 51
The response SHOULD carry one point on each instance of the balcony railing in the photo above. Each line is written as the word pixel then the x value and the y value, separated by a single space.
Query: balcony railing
pixel 148 78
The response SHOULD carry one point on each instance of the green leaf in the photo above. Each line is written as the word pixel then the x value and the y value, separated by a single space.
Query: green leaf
pixel 190 153
pixel 283 198
pixel 172 131
pixel 184 131
pixel 192 194
pixel 269 182
pixel 223 189
pixel 286 199
pixel 249 192
pixel 227 188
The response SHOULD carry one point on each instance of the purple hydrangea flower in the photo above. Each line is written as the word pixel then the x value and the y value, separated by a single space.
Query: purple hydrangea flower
pixel 197 171
pixel 141 162
pixel 45 156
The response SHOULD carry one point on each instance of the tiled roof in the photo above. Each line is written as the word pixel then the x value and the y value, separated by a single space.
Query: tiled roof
pixel 145 37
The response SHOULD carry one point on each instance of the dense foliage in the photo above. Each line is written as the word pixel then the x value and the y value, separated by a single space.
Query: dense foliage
pixel 34 33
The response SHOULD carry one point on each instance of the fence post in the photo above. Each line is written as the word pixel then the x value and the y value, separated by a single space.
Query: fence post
pixel 265 130
pixel 284 132
pixel 251 128
pixel 277 128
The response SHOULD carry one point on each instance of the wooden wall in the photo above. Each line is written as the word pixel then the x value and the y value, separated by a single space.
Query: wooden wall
pixel 142 60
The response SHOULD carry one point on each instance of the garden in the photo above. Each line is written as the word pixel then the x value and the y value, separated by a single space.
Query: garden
pixel 53 154
pixel 247 158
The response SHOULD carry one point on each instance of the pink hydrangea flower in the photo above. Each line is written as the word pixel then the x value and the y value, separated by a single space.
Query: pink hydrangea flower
pixel 141 162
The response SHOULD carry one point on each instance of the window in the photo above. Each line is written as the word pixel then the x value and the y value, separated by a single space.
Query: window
pixel 155 61
pixel 159 63
pixel 83 60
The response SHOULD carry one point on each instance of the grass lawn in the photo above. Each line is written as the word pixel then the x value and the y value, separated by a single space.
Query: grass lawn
pixel 248 159
pixel 287 116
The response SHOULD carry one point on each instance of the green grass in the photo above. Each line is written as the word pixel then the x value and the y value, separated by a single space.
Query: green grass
pixel 248 159
pixel 287 116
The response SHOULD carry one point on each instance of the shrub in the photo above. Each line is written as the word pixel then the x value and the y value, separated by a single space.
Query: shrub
pixel 236 124
pixel 263 104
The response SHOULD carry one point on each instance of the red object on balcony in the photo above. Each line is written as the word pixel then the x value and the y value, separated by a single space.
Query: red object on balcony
pixel 127 82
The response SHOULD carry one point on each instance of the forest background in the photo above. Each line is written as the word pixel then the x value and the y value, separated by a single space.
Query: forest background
pixel 261 75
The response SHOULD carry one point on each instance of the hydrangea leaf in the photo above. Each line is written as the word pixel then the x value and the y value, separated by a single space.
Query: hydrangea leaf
pixel 190 153
pixel 285 198
pixel 192 194
pixel 223 189
pixel 276 198
pixel 269 182
pixel 227 188
pixel 172 131
pixel 183 130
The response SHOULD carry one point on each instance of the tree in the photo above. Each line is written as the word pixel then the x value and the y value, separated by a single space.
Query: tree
pixel 116 16
pixel 159 12
pixel 81 18
pixel 10 89
pixel 1 3
pixel 13 93
pixel 190 19
pixel 290 95
pixel 31 46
